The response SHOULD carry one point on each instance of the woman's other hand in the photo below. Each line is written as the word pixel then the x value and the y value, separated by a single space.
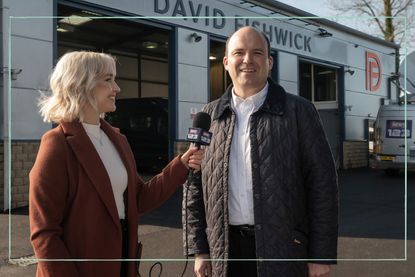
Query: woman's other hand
pixel 192 158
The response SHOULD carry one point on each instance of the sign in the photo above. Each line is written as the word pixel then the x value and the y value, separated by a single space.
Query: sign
pixel 396 129
pixel 373 72
pixel 221 18
pixel 197 135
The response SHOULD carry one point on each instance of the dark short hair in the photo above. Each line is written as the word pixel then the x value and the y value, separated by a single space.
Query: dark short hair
pixel 260 32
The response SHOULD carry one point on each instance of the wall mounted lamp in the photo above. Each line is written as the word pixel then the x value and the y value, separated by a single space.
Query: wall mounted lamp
pixel 195 37
pixel 348 108
pixel 14 72
pixel 323 33
pixel 351 72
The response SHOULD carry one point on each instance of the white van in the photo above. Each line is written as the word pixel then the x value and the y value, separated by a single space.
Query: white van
pixel 389 138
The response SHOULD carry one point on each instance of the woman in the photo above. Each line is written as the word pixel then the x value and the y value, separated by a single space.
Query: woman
pixel 85 195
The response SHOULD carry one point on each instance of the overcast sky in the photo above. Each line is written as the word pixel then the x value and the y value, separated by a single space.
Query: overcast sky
pixel 318 8
pixel 321 8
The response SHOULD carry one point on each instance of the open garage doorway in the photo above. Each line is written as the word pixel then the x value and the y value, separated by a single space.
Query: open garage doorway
pixel 142 51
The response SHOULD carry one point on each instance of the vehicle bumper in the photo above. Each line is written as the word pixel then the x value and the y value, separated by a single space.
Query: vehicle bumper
pixel 397 162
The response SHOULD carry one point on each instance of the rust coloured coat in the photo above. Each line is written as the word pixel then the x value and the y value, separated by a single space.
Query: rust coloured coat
pixel 72 210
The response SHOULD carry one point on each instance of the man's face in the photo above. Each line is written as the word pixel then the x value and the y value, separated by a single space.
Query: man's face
pixel 247 61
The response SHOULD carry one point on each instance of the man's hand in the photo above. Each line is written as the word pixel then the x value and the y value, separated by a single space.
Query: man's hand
pixel 318 270
pixel 203 268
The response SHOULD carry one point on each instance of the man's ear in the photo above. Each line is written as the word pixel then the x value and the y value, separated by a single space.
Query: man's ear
pixel 225 63
pixel 270 61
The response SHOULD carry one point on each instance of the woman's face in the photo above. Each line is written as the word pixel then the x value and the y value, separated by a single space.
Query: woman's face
pixel 104 92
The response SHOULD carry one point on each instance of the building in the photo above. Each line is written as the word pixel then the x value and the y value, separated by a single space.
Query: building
pixel 174 49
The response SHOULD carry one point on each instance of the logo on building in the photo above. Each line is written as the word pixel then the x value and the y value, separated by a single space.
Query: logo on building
pixel 373 72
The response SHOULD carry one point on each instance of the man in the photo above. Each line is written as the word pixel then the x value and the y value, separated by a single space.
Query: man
pixel 268 188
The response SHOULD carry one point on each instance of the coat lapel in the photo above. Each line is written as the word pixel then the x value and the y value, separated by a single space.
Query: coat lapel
pixel 89 159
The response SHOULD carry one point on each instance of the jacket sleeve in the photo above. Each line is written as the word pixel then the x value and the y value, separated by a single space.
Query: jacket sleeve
pixel 48 197
pixel 320 179
pixel 156 191
pixel 193 217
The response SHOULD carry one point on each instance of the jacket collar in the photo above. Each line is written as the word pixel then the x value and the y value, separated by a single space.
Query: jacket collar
pixel 90 161
pixel 274 102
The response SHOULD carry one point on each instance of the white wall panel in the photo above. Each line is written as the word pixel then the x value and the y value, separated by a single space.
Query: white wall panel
pixel 357 58
pixel 357 82
pixel 26 122
pixel 289 87
pixel 193 83
pixel 287 67
pixel 355 127
pixel 185 111
pixel 39 28
pixel 31 52
pixel 360 104
pixel 35 58
pixel 191 52
pixel 192 74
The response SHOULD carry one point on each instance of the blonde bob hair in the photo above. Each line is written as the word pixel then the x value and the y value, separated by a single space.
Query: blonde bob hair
pixel 72 83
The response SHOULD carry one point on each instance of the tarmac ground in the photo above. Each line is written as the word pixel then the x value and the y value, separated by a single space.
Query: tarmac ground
pixel 371 232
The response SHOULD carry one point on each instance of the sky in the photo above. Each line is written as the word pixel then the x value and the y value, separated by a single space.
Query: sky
pixel 317 7
pixel 321 8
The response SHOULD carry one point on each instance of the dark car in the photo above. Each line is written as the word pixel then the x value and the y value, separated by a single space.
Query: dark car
pixel 144 121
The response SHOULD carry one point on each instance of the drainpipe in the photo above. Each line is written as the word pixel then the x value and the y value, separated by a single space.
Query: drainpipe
pixel 6 106
pixel 397 55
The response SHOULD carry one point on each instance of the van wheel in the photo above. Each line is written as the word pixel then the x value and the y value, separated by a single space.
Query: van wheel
pixel 392 172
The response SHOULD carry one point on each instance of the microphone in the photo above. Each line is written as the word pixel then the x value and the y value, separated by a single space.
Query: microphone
pixel 199 134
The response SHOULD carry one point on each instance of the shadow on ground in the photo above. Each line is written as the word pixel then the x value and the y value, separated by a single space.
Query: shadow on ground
pixel 371 206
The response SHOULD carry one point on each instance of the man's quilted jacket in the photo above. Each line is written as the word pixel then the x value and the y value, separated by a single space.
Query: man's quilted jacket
pixel 294 181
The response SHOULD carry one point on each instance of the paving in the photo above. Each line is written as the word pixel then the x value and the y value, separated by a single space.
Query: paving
pixel 371 243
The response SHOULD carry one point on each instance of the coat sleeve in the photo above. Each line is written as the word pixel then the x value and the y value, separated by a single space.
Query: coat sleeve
pixel 320 179
pixel 193 217
pixel 48 197
pixel 153 193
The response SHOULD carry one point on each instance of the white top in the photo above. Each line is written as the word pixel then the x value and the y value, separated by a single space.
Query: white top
pixel 240 199
pixel 112 162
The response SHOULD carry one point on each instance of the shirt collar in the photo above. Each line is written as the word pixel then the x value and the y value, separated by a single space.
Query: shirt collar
pixel 257 99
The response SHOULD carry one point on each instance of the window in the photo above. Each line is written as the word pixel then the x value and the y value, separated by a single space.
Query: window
pixel 318 84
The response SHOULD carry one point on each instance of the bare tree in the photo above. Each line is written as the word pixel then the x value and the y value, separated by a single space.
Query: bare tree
pixel 387 14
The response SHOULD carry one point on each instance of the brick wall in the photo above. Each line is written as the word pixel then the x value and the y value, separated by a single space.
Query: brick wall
pixel 23 156
pixel 355 154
